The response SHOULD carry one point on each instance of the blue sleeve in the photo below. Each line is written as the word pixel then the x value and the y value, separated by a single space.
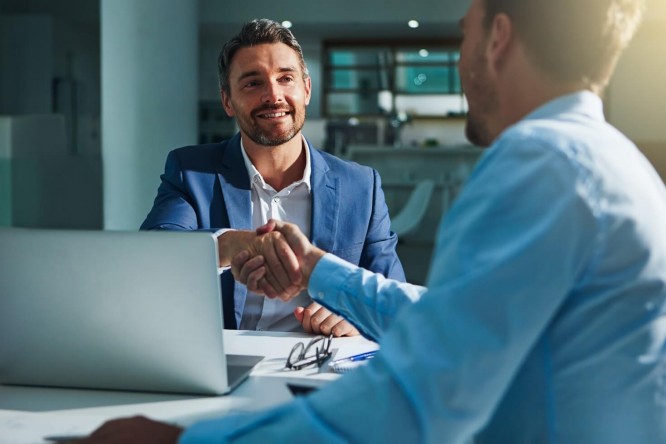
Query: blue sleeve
pixel 448 358
pixel 172 208
pixel 379 254
pixel 369 300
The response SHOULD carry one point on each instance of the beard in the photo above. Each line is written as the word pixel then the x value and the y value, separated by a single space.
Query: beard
pixel 482 100
pixel 261 136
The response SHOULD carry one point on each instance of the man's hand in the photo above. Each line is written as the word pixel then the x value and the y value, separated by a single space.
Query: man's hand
pixel 136 430
pixel 253 272
pixel 262 275
pixel 272 246
pixel 320 321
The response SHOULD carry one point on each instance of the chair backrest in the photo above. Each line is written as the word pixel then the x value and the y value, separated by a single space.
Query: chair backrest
pixel 410 216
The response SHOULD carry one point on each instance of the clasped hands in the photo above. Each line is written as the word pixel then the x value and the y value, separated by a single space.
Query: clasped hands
pixel 277 262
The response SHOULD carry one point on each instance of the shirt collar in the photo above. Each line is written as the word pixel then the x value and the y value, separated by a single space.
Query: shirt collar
pixel 583 102
pixel 253 172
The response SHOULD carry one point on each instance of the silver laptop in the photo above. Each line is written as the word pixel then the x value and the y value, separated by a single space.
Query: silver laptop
pixel 138 311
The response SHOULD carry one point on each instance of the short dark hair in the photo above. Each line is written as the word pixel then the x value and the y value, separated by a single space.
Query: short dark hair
pixel 256 32
pixel 572 40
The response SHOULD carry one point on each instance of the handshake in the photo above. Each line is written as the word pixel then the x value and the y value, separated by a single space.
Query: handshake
pixel 276 262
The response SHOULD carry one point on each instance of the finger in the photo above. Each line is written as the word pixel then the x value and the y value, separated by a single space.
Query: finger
pixel 298 313
pixel 238 261
pixel 249 267
pixel 316 317
pixel 268 290
pixel 289 262
pixel 307 325
pixel 279 277
pixel 328 321
pixel 289 293
pixel 243 264
pixel 270 277
pixel 293 234
pixel 344 328
pixel 253 278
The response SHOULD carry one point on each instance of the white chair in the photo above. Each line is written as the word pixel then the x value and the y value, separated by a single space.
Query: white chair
pixel 410 216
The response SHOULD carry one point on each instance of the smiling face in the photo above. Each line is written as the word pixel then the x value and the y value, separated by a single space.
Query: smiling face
pixel 267 93
pixel 475 77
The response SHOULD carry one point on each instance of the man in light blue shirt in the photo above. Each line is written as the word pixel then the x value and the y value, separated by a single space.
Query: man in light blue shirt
pixel 544 320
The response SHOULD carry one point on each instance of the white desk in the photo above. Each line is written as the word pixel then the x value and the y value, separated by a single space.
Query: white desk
pixel 29 413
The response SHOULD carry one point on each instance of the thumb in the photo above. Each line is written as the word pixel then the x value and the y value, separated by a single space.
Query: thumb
pixel 267 227
pixel 298 312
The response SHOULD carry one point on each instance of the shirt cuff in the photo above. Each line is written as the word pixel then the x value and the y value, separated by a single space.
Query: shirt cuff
pixel 217 234
pixel 329 279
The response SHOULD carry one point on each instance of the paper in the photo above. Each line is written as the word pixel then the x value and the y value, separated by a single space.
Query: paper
pixel 31 428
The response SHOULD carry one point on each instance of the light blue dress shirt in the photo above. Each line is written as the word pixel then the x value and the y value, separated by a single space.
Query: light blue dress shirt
pixel 544 321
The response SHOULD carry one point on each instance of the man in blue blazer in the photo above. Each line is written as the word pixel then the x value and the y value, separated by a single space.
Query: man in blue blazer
pixel 269 170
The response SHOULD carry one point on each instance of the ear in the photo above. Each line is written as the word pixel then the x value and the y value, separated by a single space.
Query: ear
pixel 500 38
pixel 226 103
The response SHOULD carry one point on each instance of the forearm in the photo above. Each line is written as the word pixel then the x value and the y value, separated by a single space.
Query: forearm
pixel 368 300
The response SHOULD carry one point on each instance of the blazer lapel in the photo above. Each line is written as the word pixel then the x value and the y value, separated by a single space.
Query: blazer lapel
pixel 325 203
pixel 237 196
pixel 235 185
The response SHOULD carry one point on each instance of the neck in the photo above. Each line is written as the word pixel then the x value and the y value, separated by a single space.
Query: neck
pixel 280 165
pixel 523 88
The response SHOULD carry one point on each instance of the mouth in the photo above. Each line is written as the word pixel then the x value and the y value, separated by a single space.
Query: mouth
pixel 272 114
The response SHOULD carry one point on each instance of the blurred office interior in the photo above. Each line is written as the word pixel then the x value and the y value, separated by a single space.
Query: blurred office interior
pixel 94 93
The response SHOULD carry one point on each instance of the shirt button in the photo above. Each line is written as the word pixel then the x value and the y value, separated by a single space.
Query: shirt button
pixel 276 199
pixel 256 179
pixel 320 294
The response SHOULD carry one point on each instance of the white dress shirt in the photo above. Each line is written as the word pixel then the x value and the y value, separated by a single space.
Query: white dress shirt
pixel 292 204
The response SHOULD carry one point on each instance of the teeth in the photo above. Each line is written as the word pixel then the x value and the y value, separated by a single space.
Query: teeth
pixel 271 115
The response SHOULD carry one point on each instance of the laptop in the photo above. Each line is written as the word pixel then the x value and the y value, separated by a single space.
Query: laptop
pixel 136 311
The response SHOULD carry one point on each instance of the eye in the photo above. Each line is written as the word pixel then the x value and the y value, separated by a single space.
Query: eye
pixel 251 84
pixel 287 79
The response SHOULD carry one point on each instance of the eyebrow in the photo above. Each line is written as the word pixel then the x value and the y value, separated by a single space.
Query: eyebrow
pixel 256 73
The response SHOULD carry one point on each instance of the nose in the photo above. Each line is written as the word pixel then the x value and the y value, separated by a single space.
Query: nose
pixel 272 93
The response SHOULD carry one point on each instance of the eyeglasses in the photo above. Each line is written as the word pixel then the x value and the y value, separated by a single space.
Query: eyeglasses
pixel 316 352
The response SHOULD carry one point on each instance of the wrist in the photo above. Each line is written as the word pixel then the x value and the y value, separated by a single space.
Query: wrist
pixel 231 243
pixel 309 262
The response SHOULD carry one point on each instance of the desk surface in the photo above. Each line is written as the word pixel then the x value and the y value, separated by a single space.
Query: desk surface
pixel 29 413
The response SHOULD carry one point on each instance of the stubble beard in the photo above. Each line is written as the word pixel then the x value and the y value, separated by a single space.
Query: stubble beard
pixel 483 102
pixel 263 137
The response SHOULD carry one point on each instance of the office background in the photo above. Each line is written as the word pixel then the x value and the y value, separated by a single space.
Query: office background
pixel 94 93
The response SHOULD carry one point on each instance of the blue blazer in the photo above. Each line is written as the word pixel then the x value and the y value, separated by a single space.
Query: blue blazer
pixel 207 187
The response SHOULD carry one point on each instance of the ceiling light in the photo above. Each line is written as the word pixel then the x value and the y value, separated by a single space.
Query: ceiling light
pixel 413 23
pixel 424 52
pixel 287 24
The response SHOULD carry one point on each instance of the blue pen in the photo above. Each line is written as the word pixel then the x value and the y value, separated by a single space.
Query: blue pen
pixel 356 358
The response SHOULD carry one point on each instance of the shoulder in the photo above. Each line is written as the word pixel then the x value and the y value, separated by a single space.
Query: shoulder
pixel 203 156
pixel 200 151
pixel 341 167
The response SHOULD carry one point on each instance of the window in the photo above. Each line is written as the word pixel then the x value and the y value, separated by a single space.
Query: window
pixel 419 79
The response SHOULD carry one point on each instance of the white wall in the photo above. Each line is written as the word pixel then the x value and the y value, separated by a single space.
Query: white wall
pixel 149 99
